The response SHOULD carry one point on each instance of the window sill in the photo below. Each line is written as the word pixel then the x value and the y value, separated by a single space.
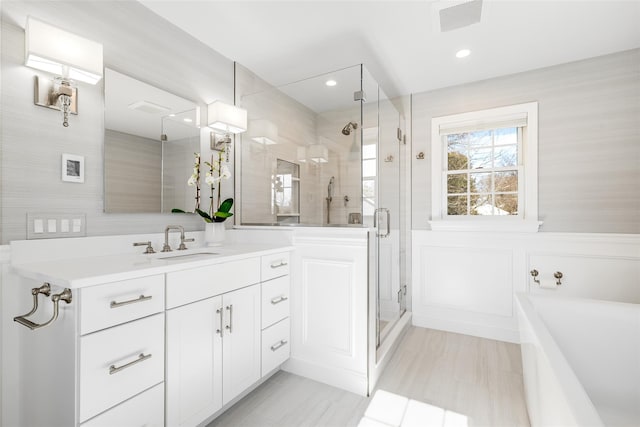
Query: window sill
pixel 516 226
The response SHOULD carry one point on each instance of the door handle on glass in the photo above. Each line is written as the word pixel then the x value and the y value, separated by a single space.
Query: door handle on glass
pixel 230 325
pixel 375 221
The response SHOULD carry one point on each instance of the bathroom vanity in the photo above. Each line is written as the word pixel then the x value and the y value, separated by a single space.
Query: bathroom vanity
pixel 162 339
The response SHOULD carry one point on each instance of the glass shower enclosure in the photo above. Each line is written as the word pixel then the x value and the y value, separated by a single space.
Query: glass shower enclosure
pixel 326 151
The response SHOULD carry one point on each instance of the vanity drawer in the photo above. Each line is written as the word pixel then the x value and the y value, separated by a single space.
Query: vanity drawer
pixel 119 302
pixel 275 300
pixel 120 362
pixel 195 284
pixel 275 265
pixel 145 409
pixel 275 346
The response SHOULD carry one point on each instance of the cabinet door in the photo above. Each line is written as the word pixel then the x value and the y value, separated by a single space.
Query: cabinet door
pixel 241 350
pixel 194 362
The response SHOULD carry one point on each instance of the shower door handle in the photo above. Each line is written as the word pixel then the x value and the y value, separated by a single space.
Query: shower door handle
pixel 375 221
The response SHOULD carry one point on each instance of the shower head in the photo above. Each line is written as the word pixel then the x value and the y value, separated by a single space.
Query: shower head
pixel 349 127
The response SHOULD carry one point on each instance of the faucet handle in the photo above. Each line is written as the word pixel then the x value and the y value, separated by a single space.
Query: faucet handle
pixel 148 250
pixel 182 246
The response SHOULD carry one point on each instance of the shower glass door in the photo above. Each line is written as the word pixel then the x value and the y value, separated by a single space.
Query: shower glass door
pixel 381 198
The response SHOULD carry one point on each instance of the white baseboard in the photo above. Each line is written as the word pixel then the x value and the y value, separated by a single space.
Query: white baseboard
pixel 354 382
pixel 482 331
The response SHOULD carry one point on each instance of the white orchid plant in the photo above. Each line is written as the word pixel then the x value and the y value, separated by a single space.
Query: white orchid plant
pixel 218 171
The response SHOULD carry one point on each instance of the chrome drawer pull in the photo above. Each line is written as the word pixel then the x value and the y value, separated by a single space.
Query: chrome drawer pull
pixel 279 299
pixel 142 357
pixel 141 298
pixel 282 264
pixel 278 345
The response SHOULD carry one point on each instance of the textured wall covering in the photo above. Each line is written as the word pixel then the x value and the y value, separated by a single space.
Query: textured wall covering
pixel 589 140
pixel 137 43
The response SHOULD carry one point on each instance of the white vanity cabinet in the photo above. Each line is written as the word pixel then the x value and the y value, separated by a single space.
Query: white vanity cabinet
pixel 151 342
pixel 275 311
pixel 105 351
pixel 213 344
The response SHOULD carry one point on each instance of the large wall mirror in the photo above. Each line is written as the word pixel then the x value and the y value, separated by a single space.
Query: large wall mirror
pixel 149 144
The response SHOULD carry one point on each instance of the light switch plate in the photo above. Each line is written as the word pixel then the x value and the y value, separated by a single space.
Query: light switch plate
pixel 42 225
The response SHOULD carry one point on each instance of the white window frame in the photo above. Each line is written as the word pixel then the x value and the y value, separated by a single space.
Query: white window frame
pixel 527 219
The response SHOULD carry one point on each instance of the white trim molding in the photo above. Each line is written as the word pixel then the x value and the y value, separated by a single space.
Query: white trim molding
pixel 524 116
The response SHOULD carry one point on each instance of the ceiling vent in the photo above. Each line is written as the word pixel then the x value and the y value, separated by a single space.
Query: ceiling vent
pixel 149 107
pixel 460 15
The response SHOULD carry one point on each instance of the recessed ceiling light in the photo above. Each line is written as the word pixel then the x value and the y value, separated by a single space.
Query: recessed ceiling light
pixel 463 53
pixel 187 120
pixel 172 115
pixel 331 82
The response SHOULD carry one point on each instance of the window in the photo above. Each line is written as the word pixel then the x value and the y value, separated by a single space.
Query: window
pixel 484 167
pixel 369 179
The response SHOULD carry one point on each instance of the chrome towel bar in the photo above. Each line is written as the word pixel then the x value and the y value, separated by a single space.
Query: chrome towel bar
pixel 45 289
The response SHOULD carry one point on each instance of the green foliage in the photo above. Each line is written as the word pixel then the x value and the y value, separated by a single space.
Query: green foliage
pixel 223 211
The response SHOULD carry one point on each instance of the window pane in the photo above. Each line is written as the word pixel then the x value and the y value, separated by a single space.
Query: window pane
pixel 368 189
pixel 481 138
pixel 481 204
pixel 457 205
pixel 369 151
pixel 368 168
pixel 507 204
pixel 506 181
pixel 506 136
pixel 457 161
pixel 482 158
pixel 457 142
pixel 480 182
pixel 506 156
pixel 457 183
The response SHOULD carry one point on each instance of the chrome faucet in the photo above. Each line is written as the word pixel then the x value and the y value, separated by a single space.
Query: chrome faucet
pixel 166 247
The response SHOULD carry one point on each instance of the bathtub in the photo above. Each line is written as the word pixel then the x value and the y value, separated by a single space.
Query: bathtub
pixel 581 361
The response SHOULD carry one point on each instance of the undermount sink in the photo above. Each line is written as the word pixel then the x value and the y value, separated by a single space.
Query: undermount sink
pixel 189 256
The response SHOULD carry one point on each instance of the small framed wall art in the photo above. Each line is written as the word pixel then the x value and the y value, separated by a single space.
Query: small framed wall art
pixel 73 168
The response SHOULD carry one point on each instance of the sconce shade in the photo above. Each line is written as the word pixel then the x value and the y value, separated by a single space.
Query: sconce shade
pixel 226 118
pixel 57 51
pixel 318 153
pixel 264 132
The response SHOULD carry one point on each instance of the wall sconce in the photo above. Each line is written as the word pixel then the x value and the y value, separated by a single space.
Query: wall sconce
pixel 318 153
pixel 225 120
pixel 263 132
pixel 70 57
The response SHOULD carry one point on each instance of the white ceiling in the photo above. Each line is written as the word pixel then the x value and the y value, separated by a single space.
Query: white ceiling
pixel 399 41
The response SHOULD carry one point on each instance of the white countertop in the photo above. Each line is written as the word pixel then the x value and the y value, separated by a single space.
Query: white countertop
pixel 88 271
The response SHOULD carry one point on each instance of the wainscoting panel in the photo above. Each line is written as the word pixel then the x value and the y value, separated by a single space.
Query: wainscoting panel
pixel 475 279
pixel 465 282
